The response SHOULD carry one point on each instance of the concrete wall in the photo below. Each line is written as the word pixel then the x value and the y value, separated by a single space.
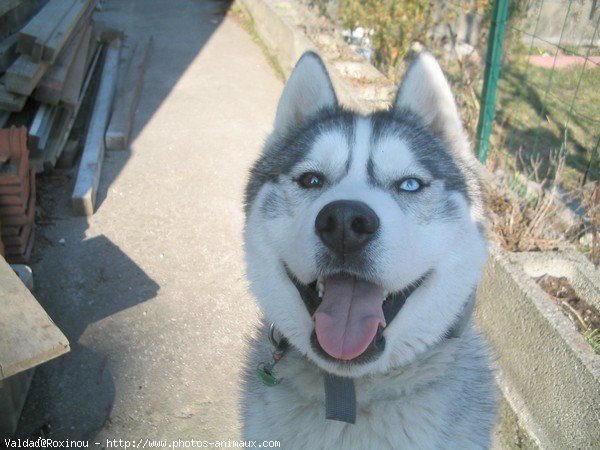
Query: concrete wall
pixel 548 373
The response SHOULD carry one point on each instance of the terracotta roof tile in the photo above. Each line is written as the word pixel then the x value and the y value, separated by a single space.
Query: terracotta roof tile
pixel 16 166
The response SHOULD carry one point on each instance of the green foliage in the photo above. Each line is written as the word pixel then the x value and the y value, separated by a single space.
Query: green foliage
pixel 397 23
pixel 593 337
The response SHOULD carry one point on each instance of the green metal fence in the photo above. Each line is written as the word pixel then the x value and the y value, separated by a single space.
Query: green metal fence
pixel 541 90
pixel 490 77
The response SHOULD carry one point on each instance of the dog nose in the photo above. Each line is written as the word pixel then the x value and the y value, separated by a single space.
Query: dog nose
pixel 346 225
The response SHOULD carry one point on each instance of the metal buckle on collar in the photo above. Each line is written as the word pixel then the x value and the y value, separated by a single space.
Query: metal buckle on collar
pixel 274 342
pixel 265 370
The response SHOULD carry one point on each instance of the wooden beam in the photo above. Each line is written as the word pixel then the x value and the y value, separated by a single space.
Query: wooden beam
pixel 50 87
pixel 82 9
pixel 73 82
pixel 10 101
pixel 23 75
pixel 88 174
pixel 58 137
pixel 8 52
pixel 13 19
pixel 40 134
pixel 34 35
pixel 121 122
pixel 29 336
pixel 40 127
pixel 106 31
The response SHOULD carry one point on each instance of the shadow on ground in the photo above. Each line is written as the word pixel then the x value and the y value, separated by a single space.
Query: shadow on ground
pixel 78 388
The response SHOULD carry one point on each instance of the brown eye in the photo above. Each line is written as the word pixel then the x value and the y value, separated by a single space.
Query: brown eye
pixel 311 180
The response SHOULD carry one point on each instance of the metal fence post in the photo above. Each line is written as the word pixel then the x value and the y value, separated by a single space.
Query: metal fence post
pixel 493 60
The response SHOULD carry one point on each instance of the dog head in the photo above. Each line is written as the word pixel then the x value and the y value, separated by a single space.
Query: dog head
pixel 364 239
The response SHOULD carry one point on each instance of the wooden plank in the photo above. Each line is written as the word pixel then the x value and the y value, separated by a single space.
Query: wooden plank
pixel 43 142
pixel 58 137
pixel 88 174
pixel 106 31
pixel 33 35
pixel 50 87
pixel 8 52
pixel 13 20
pixel 24 74
pixel 53 46
pixel 119 130
pixel 37 126
pixel 74 80
pixel 9 101
pixel 29 337
pixel 40 127
pixel 49 159
pixel 13 390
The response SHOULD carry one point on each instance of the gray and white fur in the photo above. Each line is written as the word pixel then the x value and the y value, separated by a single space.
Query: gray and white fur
pixel 426 383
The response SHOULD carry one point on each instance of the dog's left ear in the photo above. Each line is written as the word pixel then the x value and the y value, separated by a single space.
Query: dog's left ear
pixel 307 91
pixel 425 92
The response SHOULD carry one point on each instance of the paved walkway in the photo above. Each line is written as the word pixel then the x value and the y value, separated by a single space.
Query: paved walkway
pixel 150 290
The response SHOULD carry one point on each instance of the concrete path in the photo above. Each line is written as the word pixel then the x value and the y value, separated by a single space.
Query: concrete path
pixel 150 290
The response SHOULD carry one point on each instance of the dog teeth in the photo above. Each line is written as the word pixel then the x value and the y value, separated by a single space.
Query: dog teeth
pixel 320 287
pixel 385 295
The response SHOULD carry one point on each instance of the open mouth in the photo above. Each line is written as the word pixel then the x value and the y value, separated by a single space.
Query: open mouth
pixel 350 315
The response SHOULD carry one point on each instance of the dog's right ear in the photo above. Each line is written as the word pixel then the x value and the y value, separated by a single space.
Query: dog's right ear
pixel 307 91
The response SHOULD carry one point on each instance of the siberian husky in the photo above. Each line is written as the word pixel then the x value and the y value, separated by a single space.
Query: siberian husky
pixel 364 243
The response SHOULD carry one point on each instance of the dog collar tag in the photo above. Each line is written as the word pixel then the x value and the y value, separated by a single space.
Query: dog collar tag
pixel 340 398
pixel 265 374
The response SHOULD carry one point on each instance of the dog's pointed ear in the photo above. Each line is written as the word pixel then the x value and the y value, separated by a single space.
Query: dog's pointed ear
pixel 307 91
pixel 426 92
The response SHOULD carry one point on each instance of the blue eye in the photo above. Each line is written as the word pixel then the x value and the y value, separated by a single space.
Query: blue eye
pixel 410 185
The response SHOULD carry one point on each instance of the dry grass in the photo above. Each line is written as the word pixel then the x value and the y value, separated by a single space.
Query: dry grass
pixel 523 208
pixel 528 213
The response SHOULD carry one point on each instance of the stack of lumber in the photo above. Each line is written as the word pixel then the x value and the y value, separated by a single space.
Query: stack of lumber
pixel 53 55
pixel 17 195
pixel 54 59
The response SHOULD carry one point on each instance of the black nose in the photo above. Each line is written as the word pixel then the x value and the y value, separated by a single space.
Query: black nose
pixel 346 225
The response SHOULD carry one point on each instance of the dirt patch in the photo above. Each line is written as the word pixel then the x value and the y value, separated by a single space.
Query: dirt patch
pixel 583 316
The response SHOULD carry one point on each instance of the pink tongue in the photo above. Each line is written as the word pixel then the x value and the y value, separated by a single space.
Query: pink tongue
pixel 347 319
